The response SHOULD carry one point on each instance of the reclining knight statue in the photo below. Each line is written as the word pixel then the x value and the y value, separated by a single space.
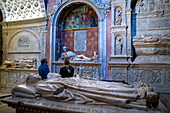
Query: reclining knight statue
pixel 84 91
pixel 73 57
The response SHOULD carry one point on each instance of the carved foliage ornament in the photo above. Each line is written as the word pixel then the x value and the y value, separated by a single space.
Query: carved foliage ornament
pixel 148 76
pixel 119 75
pixel 152 5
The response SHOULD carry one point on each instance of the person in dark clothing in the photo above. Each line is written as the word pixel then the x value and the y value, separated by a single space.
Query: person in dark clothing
pixel 43 69
pixel 67 70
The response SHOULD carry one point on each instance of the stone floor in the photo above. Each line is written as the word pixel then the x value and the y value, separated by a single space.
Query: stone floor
pixel 161 109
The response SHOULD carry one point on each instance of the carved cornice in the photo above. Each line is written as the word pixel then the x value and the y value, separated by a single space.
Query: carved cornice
pixel 22 9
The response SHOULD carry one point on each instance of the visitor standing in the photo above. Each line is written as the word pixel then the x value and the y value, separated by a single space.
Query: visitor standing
pixel 43 69
pixel 67 70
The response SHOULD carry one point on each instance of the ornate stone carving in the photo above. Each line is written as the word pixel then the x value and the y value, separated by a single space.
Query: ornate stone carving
pixel 151 5
pixel 17 78
pixel 119 75
pixel 21 63
pixel 118 13
pixel 27 9
pixel 148 76
pixel 152 44
pixel 167 76
pixel 95 72
pixel 119 45
pixel 107 8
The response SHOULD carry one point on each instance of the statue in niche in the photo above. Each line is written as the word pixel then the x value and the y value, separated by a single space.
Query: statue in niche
pixel 118 16
pixel 73 57
pixel 119 46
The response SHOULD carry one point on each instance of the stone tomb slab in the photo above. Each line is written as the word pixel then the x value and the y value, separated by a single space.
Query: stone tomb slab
pixel 46 106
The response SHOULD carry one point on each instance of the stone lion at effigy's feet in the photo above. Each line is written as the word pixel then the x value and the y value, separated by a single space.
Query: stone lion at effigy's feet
pixel 90 92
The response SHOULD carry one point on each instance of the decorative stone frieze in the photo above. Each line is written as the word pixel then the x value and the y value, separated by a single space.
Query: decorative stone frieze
pixel 151 5
pixel 23 9
pixel 84 69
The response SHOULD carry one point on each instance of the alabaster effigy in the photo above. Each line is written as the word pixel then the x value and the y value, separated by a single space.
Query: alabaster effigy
pixel 21 63
pixel 76 91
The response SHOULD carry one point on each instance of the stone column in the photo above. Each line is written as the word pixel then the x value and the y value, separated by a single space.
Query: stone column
pixel 119 57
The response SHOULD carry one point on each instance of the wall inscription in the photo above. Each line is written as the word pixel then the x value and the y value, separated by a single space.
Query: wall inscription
pixel 80 40
pixel 24 42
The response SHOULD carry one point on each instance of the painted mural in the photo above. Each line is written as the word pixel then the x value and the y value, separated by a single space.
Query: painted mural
pixel 80 17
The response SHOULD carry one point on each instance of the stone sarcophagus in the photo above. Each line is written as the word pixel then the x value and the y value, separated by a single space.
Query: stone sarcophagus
pixel 152 64
pixel 78 95
pixel 87 69
pixel 16 71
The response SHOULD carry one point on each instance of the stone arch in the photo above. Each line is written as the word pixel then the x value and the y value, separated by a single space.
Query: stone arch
pixel 2 8
pixel 28 31
pixel 101 40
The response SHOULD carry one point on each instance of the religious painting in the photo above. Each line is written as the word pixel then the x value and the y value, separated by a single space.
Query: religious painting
pixel 80 17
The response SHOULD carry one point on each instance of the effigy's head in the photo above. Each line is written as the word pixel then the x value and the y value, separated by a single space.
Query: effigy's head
pixel 64 48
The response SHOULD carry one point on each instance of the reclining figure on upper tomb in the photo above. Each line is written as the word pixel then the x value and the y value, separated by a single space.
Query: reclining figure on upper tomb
pixel 84 91
pixel 73 57
pixel 21 63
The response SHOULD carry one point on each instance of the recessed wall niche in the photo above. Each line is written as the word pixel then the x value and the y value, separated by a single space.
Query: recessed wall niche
pixel 118 16
pixel 118 45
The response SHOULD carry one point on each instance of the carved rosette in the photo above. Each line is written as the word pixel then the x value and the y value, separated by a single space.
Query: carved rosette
pixel 119 75
pixel 148 76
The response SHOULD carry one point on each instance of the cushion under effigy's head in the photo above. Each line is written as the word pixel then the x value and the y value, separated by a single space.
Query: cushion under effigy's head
pixel 32 79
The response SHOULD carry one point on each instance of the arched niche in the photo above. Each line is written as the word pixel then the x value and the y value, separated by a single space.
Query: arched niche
pixel 101 32
pixel 77 29
pixel 24 44
pixel 24 41
pixel 119 45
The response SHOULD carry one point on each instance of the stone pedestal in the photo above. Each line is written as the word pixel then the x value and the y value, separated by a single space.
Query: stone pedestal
pixel 9 78
pixel 88 69
pixel 119 67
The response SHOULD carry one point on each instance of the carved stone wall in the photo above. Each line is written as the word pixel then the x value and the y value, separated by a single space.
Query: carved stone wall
pixel 22 40
pixel 152 16
pixel 9 78
pixel 22 9
pixel 120 54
